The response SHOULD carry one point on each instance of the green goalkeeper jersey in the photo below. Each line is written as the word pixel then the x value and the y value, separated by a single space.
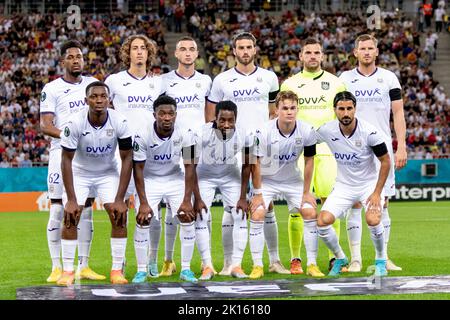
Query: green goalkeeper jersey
pixel 316 93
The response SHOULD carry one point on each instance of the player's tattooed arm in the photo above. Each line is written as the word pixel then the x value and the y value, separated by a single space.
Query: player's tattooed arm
pixel 145 212
pixel 72 210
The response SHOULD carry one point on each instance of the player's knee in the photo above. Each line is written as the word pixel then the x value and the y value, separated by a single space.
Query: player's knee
pixel 258 215
pixel 325 219
pixel 119 231
pixel 309 213
pixel 373 217
pixel 69 233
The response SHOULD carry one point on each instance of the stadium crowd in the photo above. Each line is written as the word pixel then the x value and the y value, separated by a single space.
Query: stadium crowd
pixel 29 49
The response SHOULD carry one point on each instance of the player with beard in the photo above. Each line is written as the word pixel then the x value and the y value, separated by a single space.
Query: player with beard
pixel 253 89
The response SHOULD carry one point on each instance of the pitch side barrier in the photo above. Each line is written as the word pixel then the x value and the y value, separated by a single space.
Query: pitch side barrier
pixel 24 189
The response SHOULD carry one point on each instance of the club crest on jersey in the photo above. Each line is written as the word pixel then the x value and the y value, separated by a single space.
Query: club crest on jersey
pixel 151 85
pixel 66 131
pixel 109 132
pixel 198 84
pixel 43 96
pixel 380 80
pixel 259 79
pixel 325 85
pixel 358 143
pixel 298 141
pixel 176 142
pixel 235 147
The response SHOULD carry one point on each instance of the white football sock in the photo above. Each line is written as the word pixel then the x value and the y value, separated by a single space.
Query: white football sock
pixel 256 238
pixel 54 233
pixel 386 220
pixel 68 253
pixel 377 236
pixel 311 240
pixel 187 238
pixel 227 237
pixel 202 239
pixel 155 237
pixel 328 235
pixel 141 241
pixel 170 234
pixel 354 233
pixel 118 247
pixel 85 233
pixel 271 235
pixel 240 237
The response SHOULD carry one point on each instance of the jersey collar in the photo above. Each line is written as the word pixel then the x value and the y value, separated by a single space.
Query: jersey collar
pixel 161 138
pixel 357 70
pixel 237 71
pixel 135 77
pixel 184 77
pixel 74 83
pixel 290 135
pixel 313 75
pixel 353 132
pixel 98 128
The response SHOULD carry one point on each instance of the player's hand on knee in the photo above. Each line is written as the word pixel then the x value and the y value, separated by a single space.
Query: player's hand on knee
pixel 119 211
pixel 144 215
pixel 200 208
pixel 72 213
pixel 186 211
pixel 243 208
pixel 308 197
pixel 374 202
pixel 256 202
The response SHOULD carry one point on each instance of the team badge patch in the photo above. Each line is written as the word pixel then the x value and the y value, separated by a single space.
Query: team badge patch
pixel 151 85
pixel 136 146
pixel 298 140
pixel 259 79
pixel 176 142
pixel 109 132
pixel 380 80
pixel 43 96
pixel 66 131
pixel 198 84
pixel 325 85
pixel 358 143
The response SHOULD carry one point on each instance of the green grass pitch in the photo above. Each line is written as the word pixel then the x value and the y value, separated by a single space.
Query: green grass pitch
pixel 419 243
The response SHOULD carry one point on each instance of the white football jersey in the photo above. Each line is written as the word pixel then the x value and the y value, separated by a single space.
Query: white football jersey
pixel 353 154
pixel 161 155
pixel 134 97
pixel 372 95
pixel 249 92
pixel 190 95
pixel 279 153
pixel 219 157
pixel 64 99
pixel 94 146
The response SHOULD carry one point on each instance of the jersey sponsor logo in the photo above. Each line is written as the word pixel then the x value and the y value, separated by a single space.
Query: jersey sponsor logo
pixel 334 139
pixel 96 150
pixel 233 80
pixel 301 85
pixel 245 92
pixel 67 90
pixel 287 157
pixel 85 133
pixel 173 84
pixel 312 100
pixel 346 156
pixel 354 80
pixel 162 157
pixel 187 99
pixel 78 103
pixel 367 93
pixel 143 99
pixel 125 84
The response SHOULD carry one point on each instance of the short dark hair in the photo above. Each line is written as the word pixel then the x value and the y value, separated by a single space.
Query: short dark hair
pixel 96 84
pixel 226 105
pixel 312 40
pixel 70 44
pixel 344 96
pixel 243 35
pixel 163 99
pixel 185 38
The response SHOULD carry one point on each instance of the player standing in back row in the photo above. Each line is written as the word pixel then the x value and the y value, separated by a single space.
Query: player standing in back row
pixel 60 100
pixel 133 92
pixel 190 89
pixel 253 90
pixel 315 89
pixel 377 92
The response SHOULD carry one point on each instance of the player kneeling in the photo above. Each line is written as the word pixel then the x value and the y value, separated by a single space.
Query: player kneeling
pixel 277 148
pixel 355 144
pixel 88 164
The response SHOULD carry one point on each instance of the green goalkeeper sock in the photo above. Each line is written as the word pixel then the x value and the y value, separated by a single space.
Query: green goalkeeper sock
pixel 295 233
